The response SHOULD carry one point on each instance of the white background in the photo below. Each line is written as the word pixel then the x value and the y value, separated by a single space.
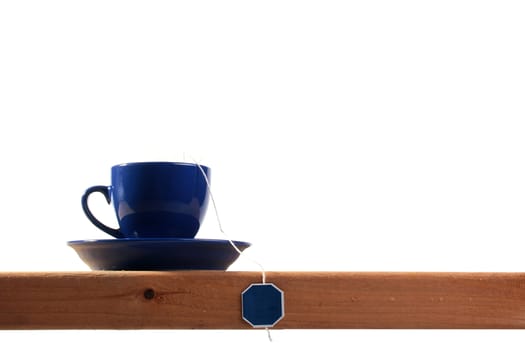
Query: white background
pixel 359 136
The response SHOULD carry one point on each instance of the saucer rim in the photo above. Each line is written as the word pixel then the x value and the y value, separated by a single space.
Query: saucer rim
pixel 198 241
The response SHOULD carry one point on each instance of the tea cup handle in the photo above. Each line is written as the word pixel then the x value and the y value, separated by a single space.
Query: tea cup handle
pixel 105 191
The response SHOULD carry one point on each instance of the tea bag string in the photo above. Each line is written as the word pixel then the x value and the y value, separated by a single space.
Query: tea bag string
pixel 263 272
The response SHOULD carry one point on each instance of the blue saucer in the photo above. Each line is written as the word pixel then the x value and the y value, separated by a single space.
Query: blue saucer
pixel 157 254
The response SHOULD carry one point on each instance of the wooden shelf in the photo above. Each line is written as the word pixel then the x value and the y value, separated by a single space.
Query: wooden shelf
pixel 211 300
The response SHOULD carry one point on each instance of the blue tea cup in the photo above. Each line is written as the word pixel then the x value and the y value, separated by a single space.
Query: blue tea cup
pixel 154 199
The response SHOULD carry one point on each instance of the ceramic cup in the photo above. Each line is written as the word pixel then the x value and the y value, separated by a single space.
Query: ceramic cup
pixel 154 200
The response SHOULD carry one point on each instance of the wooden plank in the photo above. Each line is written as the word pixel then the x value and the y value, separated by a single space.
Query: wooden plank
pixel 211 300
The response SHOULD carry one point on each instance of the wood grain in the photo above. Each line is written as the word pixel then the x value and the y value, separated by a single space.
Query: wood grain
pixel 211 300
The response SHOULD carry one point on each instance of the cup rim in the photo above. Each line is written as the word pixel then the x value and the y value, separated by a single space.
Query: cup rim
pixel 160 164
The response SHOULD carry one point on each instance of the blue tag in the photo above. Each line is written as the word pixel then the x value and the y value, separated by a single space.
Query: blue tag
pixel 262 305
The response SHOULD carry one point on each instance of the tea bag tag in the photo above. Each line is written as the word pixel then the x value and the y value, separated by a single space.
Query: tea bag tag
pixel 262 305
